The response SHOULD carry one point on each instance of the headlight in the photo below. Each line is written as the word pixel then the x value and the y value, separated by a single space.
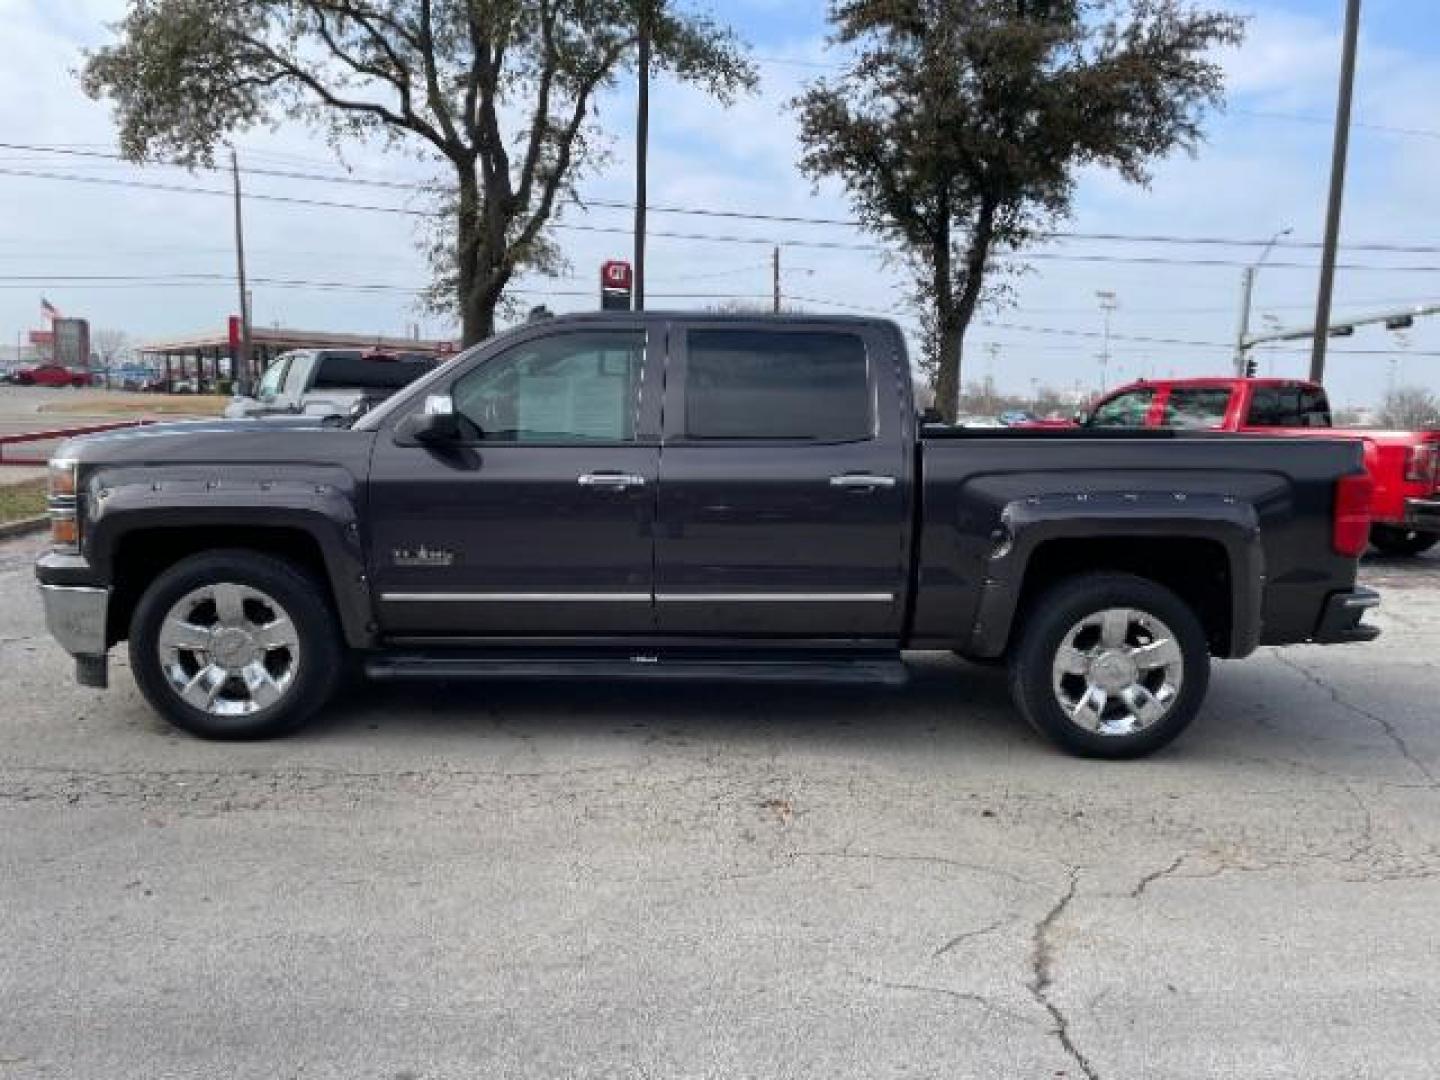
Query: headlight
pixel 64 505
pixel 62 478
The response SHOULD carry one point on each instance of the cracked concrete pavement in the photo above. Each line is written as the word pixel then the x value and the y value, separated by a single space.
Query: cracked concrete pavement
pixel 623 881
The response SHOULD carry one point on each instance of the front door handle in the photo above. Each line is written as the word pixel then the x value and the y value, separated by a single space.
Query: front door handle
pixel 615 481
pixel 861 482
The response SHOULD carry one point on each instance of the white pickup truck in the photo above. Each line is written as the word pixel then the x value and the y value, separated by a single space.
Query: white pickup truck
pixel 329 382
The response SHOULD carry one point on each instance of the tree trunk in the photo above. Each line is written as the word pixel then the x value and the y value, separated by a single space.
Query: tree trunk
pixel 947 371
pixel 477 318
pixel 947 380
pixel 954 313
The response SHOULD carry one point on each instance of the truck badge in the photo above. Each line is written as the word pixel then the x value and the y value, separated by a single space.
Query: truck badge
pixel 422 557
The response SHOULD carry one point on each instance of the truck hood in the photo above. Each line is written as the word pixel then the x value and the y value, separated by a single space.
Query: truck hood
pixel 276 440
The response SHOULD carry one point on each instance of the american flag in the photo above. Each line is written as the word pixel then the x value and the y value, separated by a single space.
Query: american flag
pixel 48 310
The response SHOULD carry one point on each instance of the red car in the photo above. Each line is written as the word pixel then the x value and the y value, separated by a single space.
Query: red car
pixel 52 375
pixel 1404 465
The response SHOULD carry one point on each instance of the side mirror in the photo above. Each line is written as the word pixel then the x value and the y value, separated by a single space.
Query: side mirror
pixel 434 425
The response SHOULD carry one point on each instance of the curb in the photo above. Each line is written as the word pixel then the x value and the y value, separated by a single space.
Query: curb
pixel 24 527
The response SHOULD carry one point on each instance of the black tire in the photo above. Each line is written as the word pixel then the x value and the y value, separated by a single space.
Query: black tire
pixel 302 599
pixel 1048 622
pixel 1393 540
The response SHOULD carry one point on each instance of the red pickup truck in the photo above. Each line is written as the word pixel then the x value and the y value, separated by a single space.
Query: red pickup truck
pixel 52 375
pixel 1404 465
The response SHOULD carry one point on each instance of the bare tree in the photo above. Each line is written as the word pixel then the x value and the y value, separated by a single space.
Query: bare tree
pixel 111 345
pixel 1410 408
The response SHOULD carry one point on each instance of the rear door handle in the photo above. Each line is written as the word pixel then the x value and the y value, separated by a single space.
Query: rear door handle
pixel 615 481
pixel 861 482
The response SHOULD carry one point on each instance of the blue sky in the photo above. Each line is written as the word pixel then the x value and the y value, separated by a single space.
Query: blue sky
pixel 1263 168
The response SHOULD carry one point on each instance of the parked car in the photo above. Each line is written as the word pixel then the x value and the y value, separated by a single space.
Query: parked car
pixel 330 382
pixel 52 375
pixel 1403 465
pixel 661 496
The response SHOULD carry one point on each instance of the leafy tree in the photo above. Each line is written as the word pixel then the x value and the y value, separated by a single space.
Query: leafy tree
pixel 1410 408
pixel 499 93
pixel 959 126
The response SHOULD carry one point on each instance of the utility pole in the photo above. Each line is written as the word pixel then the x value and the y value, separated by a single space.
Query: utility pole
pixel 1108 303
pixel 1337 191
pixel 241 374
pixel 642 154
pixel 775 275
pixel 1247 291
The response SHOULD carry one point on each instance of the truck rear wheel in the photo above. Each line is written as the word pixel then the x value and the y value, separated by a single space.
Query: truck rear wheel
pixel 1393 540
pixel 1110 665
pixel 235 645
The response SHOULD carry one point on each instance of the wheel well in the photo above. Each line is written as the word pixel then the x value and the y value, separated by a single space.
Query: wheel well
pixel 1198 571
pixel 142 556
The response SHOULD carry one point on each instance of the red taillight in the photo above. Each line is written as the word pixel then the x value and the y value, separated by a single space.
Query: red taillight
pixel 1421 464
pixel 1353 498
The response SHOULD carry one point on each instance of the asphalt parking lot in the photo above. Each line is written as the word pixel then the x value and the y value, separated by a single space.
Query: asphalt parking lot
pixel 726 881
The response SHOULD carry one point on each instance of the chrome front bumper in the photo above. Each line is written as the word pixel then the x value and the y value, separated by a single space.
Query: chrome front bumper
pixel 76 618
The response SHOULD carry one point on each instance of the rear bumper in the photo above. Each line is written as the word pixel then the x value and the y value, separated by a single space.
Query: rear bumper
pixel 1423 515
pixel 1340 622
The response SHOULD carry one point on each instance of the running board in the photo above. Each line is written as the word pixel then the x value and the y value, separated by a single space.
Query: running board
pixel 885 669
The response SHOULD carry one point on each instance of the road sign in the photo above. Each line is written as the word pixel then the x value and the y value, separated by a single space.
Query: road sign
pixel 616 282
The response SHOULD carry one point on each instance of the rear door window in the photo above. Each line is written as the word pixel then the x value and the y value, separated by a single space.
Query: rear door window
pixel 1289 407
pixel 1196 407
pixel 1127 410
pixel 783 385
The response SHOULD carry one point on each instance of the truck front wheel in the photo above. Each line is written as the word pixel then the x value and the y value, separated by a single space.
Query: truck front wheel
pixel 235 645
pixel 1393 540
pixel 1110 665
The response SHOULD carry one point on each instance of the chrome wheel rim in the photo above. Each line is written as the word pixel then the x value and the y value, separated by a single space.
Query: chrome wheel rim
pixel 229 649
pixel 1118 672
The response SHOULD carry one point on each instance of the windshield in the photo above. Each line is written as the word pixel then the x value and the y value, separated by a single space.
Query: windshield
pixel 274 376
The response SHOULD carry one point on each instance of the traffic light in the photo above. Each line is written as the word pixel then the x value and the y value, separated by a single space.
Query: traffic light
pixel 1252 366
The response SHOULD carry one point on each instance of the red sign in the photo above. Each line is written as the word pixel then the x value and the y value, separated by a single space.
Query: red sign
pixel 616 275
pixel 42 337
pixel 235 332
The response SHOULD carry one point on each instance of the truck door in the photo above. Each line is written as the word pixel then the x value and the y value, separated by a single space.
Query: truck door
pixel 785 483
pixel 539 523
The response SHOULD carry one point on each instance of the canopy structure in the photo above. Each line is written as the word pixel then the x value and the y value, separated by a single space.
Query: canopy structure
pixel 202 362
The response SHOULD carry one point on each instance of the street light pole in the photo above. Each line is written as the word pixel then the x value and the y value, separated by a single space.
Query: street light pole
pixel 1247 292
pixel 1337 191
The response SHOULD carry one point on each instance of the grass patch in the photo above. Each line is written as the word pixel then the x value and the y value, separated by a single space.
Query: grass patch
pixel 23 500
pixel 138 405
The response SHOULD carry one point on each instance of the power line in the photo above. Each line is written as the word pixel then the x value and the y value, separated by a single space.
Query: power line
pixel 709 212
pixel 814 245
pixel 1329 121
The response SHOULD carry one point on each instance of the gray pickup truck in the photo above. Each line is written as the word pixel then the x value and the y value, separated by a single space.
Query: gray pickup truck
pixel 661 495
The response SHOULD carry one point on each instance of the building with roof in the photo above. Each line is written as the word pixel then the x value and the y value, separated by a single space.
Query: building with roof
pixel 204 361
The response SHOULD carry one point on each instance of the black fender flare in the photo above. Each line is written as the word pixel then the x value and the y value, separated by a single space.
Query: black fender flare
pixel 124 502
pixel 1026 524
